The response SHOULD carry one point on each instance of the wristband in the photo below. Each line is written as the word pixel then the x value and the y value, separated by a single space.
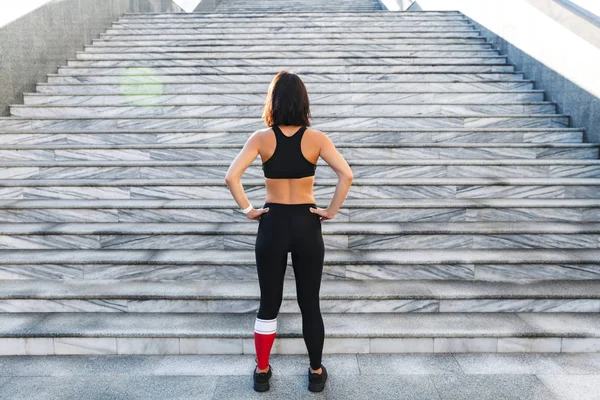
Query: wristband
pixel 247 210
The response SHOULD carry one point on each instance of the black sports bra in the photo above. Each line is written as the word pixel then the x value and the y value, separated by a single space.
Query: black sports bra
pixel 288 161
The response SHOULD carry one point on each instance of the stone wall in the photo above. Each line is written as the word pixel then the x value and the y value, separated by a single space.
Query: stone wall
pixel 37 43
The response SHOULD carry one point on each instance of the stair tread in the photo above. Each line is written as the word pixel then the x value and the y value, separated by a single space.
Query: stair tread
pixel 536 181
pixel 425 162
pixel 338 257
pixel 230 325
pixel 329 228
pixel 339 144
pixel 348 203
pixel 330 289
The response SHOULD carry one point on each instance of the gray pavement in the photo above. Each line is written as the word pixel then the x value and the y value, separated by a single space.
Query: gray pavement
pixel 443 376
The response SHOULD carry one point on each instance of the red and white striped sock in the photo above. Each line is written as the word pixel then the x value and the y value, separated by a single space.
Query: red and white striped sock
pixel 264 335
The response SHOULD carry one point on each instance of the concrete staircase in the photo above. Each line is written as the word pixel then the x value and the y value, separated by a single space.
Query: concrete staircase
pixel 473 222
pixel 270 6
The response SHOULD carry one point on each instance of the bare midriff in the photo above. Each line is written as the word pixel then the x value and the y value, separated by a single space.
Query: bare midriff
pixel 290 191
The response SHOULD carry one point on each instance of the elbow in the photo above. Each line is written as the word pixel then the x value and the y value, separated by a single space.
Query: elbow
pixel 229 179
pixel 348 177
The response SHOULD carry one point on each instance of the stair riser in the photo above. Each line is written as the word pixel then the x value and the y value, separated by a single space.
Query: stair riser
pixel 315 89
pixel 239 139
pixel 126 46
pixel 124 215
pixel 322 172
pixel 303 15
pixel 342 242
pixel 365 25
pixel 342 40
pixel 259 98
pixel 187 345
pixel 215 154
pixel 290 306
pixel 306 35
pixel 172 60
pixel 503 81
pixel 172 55
pixel 194 272
pixel 248 68
pixel 249 124
pixel 144 109
pixel 125 191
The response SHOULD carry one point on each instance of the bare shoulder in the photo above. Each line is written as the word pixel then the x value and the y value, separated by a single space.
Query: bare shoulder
pixel 259 134
pixel 321 136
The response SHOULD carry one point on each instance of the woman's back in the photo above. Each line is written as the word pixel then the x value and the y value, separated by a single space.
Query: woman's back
pixel 296 148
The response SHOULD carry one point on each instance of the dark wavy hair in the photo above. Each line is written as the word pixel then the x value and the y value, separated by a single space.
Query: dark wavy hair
pixel 287 101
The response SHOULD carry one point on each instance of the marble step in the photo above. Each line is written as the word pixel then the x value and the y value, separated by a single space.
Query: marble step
pixel 219 296
pixel 157 123
pixel 307 34
pixel 407 151
pixel 361 168
pixel 145 52
pixel 353 210
pixel 48 135
pixel 167 55
pixel 121 60
pixel 372 21
pixel 323 26
pixel 337 235
pixel 340 98
pixel 408 42
pixel 223 87
pixel 400 188
pixel 218 333
pixel 200 45
pixel 328 108
pixel 382 264
pixel 277 14
pixel 249 68
pixel 501 80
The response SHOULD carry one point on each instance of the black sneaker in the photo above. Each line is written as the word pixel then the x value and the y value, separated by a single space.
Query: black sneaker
pixel 316 382
pixel 261 379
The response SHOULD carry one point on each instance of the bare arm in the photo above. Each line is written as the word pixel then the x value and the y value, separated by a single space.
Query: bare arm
pixel 233 177
pixel 336 161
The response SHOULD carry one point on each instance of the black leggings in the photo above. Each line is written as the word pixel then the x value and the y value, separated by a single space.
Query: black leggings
pixel 284 228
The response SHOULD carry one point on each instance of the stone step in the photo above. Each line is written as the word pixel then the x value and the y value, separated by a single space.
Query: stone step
pixel 382 151
pixel 361 168
pixel 120 60
pixel 323 25
pixel 353 210
pixel 156 123
pixel 382 264
pixel 278 14
pixel 300 69
pixel 404 188
pixel 300 8
pixel 218 333
pixel 306 35
pixel 198 45
pixel 337 235
pixel 238 98
pixel 46 134
pixel 100 56
pixel 408 42
pixel 353 297
pixel 501 80
pixel 316 88
pixel 316 27
pixel 326 109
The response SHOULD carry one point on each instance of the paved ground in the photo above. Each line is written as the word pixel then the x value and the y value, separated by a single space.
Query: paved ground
pixel 574 376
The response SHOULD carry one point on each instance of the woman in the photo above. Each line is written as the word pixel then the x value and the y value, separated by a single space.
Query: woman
pixel 289 219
